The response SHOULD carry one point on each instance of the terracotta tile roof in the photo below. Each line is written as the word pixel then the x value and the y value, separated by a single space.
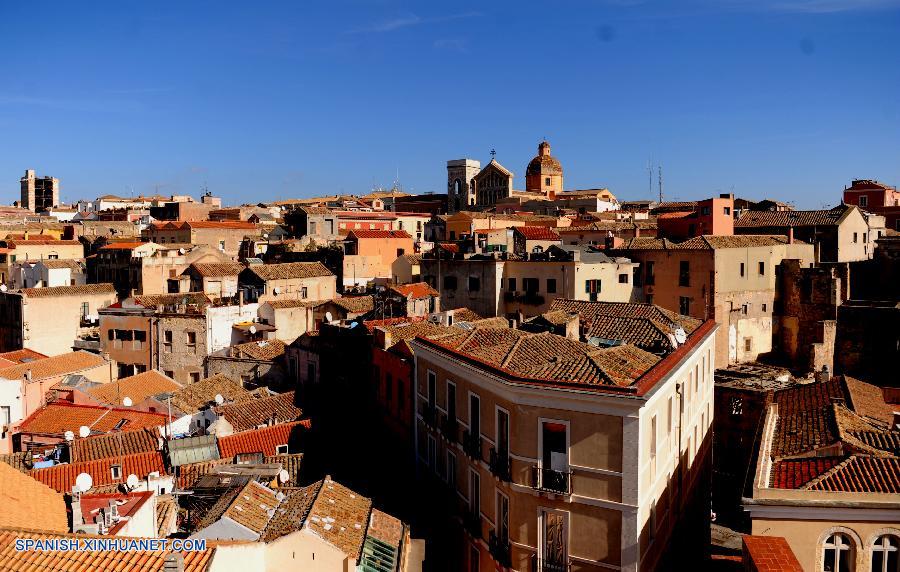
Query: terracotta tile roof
pixel 795 473
pixel 27 502
pixel 75 265
pixel 261 411
pixel 39 241
pixel 363 233
pixel 218 269
pixel 773 219
pixel 22 356
pixel 123 245
pixel 288 270
pixel 113 445
pixel 412 258
pixel 805 422
pixel 21 461
pixel 223 225
pixel 136 387
pixel 294 303
pixel 265 350
pixel 770 554
pixel 867 400
pixel 354 304
pixel 412 328
pixel 640 324
pixel 416 290
pixel 537 233
pixel 197 395
pixel 154 300
pixel 58 417
pixel 292 512
pixel 263 440
pixel 62 364
pixel 82 290
pixel 706 242
pixel 251 506
pixel 465 315
pixel 62 477
pixel 166 515
pixel 83 560
pixel 550 358
pixel 316 210
pixel 189 473
pixel 386 528
pixel 340 517
pixel 860 474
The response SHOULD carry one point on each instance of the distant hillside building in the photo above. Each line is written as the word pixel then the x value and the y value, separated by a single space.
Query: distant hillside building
pixel 39 194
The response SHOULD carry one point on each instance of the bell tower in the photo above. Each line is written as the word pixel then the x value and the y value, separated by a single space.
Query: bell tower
pixel 460 191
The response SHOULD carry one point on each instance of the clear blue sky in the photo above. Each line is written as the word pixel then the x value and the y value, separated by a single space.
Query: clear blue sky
pixel 266 100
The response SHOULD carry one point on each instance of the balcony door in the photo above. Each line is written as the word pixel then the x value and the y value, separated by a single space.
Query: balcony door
pixel 502 434
pixel 474 416
pixel 554 548
pixel 451 402
pixel 554 456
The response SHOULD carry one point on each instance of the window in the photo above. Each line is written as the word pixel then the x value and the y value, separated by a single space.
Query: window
pixel 554 457
pixel 475 492
pixel 684 305
pixel 195 377
pixel 450 282
pixel 649 278
pixel 623 279
pixel 432 390
pixel 684 273
pixel 167 341
pixel 748 344
pixel 511 284
pixel 192 338
pixel 727 210
pixel 839 553
pixel 742 269
pixel 705 210
pixel 85 309
pixel 222 245
pixel 865 237
pixel 502 518
pixel 762 268
pixel 885 554
pixel 764 307
pixel 281 449
pixel 653 446
pixel 474 284
pixel 451 402
pixel 304 292
pixel 116 472
pixel 401 252
pixel 531 285
pixel 451 471
pixel 864 202
pixel 432 452
pixel 169 373
pixel 592 286
pixel 551 285
pixel 855 237
pixel 474 416
pixel 5 417
pixel 547 181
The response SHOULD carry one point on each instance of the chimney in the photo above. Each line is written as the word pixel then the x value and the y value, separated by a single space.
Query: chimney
pixel 77 518
pixel 790 235
pixel 173 562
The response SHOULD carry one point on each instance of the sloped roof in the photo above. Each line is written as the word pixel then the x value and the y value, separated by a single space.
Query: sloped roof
pixel 416 290
pixel 113 445
pixel 197 395
pixel 860 473
pixel 252 505
pixel 662 318
pixel 218 269
pixel 62 364
pixel 354 304
pixel 261 350
pixel 366 233
pixel 288 270
pixel 340 516
pixel 292 512
pixel 62 477
pixel 770 219
pixel 27 502
pixel 136 387
pixel 76 561
pixel 24 355
pixel 254 412
pixel 537 232
pixel 263 440
pixel 707 242
pixel 58 417
pixel 82 290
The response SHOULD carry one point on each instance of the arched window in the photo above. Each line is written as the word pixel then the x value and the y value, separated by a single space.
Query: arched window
pixel 840 553
pixel 886 554
pixel 537 249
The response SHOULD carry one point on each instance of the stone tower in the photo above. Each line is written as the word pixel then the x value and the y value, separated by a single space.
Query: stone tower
pixel 39 194
pixel 460 193
pixel 544 173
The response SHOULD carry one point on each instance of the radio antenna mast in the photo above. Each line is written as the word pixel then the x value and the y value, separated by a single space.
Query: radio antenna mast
pixel 660 183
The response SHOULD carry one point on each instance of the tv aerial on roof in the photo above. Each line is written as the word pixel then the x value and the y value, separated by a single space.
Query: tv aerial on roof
pixel 84 431
pixel 84 482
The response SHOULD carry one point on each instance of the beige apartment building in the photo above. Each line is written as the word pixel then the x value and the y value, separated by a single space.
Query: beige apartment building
pixel 730 279
pixel 495 284
pixel 225 236
pixel 559 455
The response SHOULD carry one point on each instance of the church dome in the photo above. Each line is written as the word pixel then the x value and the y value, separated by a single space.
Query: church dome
pixel 544 163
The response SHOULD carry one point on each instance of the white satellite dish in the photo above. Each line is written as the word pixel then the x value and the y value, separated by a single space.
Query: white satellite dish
pixel 69 435
pixel 276 290
pixel 132 481
pixel 283 476
pixel 180 251
pixel 84 482
pixel 219 399
pixel 127 402
pixel 3 288
pixel 84 431
pixel 680 336
pixel 328 317
pixel 252 329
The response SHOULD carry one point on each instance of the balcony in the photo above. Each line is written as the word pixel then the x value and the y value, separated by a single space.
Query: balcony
pixel 472 523
pixel 500 549
pixel 542 565
pixel 429 415
pixel 472 445
pixel 548 480
pixel 450 428
pixel 500 464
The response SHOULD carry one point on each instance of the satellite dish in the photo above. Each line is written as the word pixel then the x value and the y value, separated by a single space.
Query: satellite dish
pixel 283 476
pixel 3 288
pixel 680 336
pixel 276 290
pixel 180 251
pixel 84 431
pixel 69 435
pixel 132 481
pixel 328 316
pixel 219 399
pixel 353 324
pixel 252 329
pixel 84 482
pixel 265 235
pixel 127 402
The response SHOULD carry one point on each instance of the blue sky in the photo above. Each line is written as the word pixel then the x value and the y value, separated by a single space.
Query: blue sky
pixel 266 100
